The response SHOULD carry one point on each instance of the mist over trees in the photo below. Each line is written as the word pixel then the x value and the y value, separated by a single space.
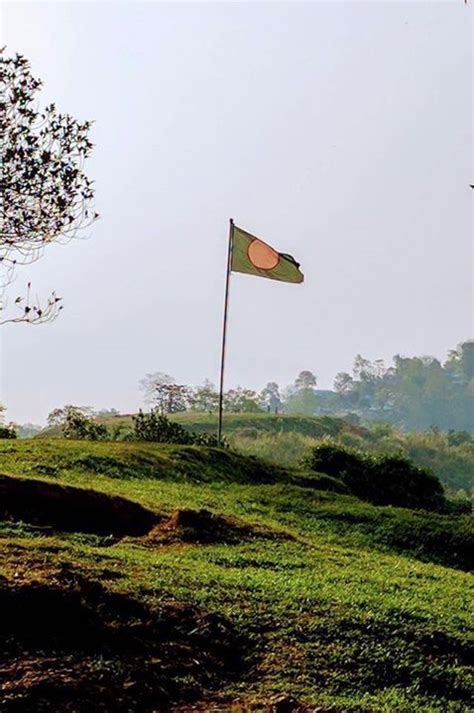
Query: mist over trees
pixel 414 393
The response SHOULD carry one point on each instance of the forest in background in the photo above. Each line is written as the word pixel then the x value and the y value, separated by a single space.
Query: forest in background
pixel 414 393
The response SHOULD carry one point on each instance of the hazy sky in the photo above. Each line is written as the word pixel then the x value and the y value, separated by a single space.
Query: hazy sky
pixel 339 132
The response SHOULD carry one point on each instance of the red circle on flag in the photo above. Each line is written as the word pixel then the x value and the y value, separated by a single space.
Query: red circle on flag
pixel 262 256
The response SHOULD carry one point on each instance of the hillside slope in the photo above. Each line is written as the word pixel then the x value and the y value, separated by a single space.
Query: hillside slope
pixel 284 440
pixel 275 589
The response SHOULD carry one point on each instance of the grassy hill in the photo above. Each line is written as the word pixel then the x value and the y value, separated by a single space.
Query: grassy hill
pixel 252 582
pixel 284 440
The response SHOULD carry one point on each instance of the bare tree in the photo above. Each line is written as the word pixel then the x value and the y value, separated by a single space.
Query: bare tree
pixel 45 196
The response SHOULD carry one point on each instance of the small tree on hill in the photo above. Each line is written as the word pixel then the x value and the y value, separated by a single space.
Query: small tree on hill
pixel 58 416
pixel 270 398
pixel 165 394
pixel 241 400
pixel 302 397
pixel 77 423
pixel 45 195
pixel 205 398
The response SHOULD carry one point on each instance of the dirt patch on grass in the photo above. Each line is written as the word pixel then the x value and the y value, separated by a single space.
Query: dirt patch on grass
pixel 80 648
pixel 72 509
pixel 204 527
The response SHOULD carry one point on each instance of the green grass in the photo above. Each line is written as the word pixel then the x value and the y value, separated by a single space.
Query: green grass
pixel 362 608
pixel 284 440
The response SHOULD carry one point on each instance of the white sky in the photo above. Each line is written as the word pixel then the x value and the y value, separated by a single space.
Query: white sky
pixel 338 132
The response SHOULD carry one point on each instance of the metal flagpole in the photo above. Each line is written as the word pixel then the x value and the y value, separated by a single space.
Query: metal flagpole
pixel 224 330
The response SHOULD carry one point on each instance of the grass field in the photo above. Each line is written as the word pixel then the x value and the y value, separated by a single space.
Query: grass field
pixel 339 603
pixel 284 440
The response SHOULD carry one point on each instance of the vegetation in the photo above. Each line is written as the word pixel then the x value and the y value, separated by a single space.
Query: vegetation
pixel 76 423
pixel 334 601
pixel 8 432
pixel 383 480
pixel 46 196
pixel 154 426
pixel 414 393
pixel 313 563
pixel 287 439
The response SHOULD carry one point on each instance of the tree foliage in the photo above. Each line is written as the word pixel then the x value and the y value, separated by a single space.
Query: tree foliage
pixel 165 394
pixel 270 398
pixel 301 398
pixel 241 400
pixel 45 195
pixel 414 393
pixel 156 427
pixel 205 398
pixel 8 431
pixel 78 424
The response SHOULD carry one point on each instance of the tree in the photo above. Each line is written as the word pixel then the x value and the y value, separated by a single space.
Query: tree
pixel 302 396
pixel 58 416
pixel 270 397
pixel 45 195
pixel 305 380
pixel 362 369
pixel 165 394
pixel 467 359
pixel 241 400
pixel 205 397
pixel 343 383
pixel 76 423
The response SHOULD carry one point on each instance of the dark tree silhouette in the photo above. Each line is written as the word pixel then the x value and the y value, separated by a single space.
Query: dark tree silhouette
pixel 45 196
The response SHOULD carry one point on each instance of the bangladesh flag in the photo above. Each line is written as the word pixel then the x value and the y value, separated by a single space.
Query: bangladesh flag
pixel 254 257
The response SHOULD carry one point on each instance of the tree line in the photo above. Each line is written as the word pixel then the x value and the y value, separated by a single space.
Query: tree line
pixel 167 396
pixel 414 393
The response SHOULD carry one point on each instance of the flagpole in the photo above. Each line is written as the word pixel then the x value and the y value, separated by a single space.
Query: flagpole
pixel 224 330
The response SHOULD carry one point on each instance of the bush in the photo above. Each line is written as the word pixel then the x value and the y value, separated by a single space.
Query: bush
pixel 396 480
pixel 382 480
pixel 8 431
pixel 78 426
pixel 331 459
pixel 210 440
pixel 155 427
pixel 457 438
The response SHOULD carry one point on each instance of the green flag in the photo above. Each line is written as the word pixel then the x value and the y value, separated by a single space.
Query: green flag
pixel 254 257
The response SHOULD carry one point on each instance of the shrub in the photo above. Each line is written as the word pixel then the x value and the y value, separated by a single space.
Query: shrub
pixel 382 480
pixel 8 431
pixel 332 459
pixel 154 426
pixel 396 480
pixel 78 426
pixel 210 440
pixel 457 438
